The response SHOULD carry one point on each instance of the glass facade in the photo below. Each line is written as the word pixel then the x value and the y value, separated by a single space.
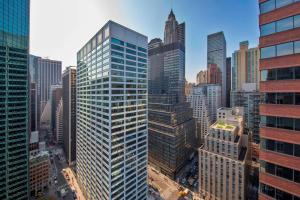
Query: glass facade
pixel 14 119
pixel 111 119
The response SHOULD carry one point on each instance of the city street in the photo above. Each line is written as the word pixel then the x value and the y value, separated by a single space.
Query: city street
pixel 71 178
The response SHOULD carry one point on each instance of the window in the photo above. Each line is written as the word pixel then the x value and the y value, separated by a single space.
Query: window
pixel 297 72
pixel 297 98
pixel 281 3
pixel 296 21
pixel 116 41
pixel 297 47
pixel 285 123
pixel 267 6
pixel 284 24
pixel 285 49
pixel 268 52
pixel 271 121
pixel 130 45
pixel 285 98
pixel 267 29
pixel 284 74
pixel 297 124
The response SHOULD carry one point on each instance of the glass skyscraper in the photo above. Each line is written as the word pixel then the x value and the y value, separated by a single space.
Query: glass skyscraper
pixel 14 47
pixel 111 121
pixel 216 54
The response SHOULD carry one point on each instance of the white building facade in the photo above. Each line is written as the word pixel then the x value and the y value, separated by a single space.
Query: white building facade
pixel 112 129
pixel 205 100
pixel 222 158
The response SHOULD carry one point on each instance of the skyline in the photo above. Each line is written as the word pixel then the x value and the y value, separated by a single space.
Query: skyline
pixel 70 28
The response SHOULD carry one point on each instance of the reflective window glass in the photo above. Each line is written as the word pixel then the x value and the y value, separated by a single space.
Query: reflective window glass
pixel 297 98
pixel 296 21
pixel 267 6
pixel 270 98
pixel 285 98
pixel 284 24
pixel 281 3
pixel 285 49
pixel 297 47
pixel 268 52
pixel 285 73
pixel 271 121
pixel 297 124
pixel 267 29
pixel 286 123
pixel 297 72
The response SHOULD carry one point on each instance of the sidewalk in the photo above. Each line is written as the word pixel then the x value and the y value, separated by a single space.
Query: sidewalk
pixel 72 182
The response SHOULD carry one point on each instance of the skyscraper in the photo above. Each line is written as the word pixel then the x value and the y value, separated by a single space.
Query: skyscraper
pixel 204 99
pixel 213 74
pixel 14 99
pixel 44 73
pixel 58 131
pixel 249 98
pixel 245 66
pixel 279 45
pixel 111 121
pixel 223 157
pixel 216 54
pixel 228 81
pixel 55 97
pixel 171 126
pixel 69 114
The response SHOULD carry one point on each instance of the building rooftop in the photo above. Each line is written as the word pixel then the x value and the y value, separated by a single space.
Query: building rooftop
pixel 223 126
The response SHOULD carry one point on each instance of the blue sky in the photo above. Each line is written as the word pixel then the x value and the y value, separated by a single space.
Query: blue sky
pixel 70 23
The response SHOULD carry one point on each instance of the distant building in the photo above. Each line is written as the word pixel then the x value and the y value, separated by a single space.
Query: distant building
pixel 213 74
pixel 249 98
pixel 223 158
pixel 39 171
pixel 69 114
pixel 228 81
pixel 55 97
pixel 204 99
pixel 39 166
pixel 58 134
pixel 245 66
pixel 201 77
pixel 216 54
pixel 44 72
pixel 34 118
pixel 171 126
pixel 188 88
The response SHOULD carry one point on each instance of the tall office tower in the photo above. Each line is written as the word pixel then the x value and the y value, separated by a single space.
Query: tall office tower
pixel 201 77
pixel 213 74
pixel 279 45
pixel 249 98
pixel 14 99
pixel 171 126
pixel 228 81
pixel 111 131
pixel 55 97
pixel 204 100
pixel 33 107
pixel 216 54
pixel 58 134
pixel 44 72
pixel 69 114
pixel 223 158
pixel 245 66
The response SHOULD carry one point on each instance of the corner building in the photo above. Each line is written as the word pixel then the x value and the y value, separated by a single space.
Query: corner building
pixel 112 132
pixel 14 99
pixel 279 44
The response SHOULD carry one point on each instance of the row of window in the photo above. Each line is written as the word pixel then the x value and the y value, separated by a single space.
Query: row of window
pixel 280 50
pixel 280 25
pixel 276 193
pixel 280 122
pixel 283 98
pixel 281 147
pixel 270 5
pixel 120 42
pixel 280 74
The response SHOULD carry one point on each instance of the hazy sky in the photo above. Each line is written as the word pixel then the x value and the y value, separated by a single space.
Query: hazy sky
pixel 59 28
